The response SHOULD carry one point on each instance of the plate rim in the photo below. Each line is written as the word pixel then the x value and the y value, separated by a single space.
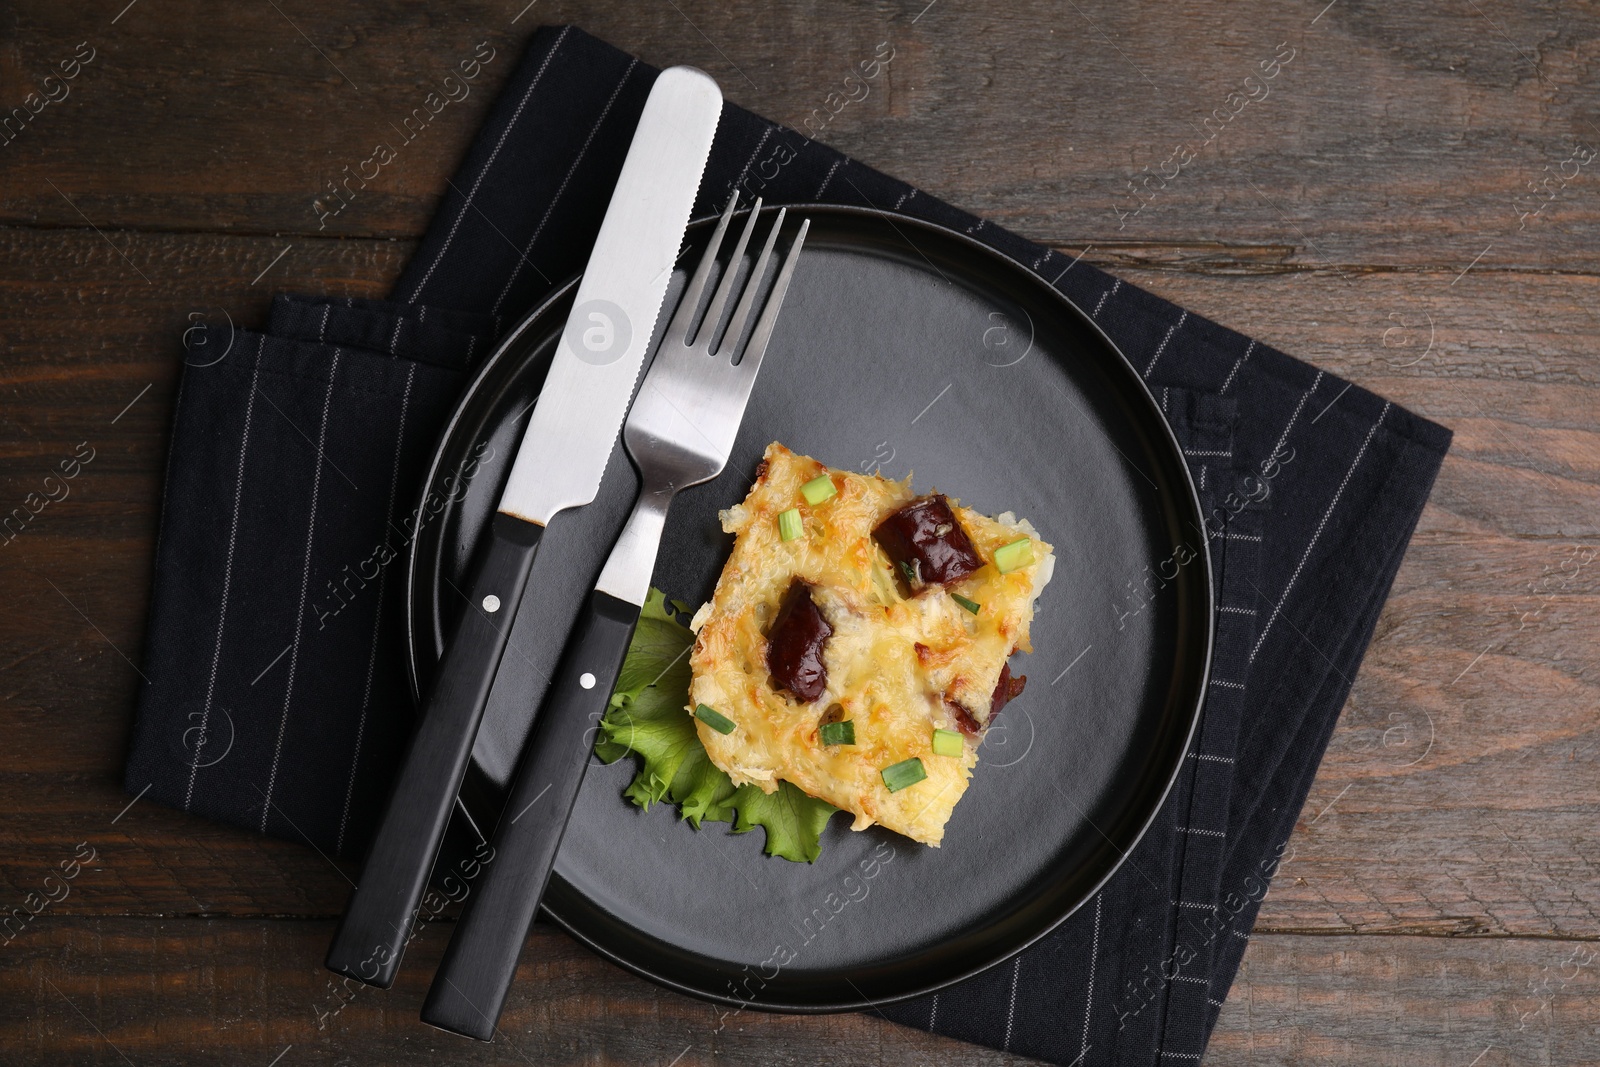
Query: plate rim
pixel 1190 495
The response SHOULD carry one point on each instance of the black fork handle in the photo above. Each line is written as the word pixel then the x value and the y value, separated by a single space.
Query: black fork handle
pixel 469 989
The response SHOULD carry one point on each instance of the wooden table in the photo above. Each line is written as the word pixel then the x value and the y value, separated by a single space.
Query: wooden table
pixel 1413 205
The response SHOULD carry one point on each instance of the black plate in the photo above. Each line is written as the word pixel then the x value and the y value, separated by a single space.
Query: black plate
pixel 910 346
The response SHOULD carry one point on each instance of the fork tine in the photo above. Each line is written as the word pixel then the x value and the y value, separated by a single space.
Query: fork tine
pixel 741 314
pixel 683 318
pixel 708 326
pixel 750 361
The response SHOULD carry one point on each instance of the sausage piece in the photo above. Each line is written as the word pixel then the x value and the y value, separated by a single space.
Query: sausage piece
pixel 795 644
pixel 1006 689
pixel 926 543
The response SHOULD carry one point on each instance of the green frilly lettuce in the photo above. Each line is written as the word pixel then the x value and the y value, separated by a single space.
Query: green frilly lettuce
pixel 648 718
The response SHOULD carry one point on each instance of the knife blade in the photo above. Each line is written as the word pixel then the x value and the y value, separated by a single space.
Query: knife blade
pixel 559 465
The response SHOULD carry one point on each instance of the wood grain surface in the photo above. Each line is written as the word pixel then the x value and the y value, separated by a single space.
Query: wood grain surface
pixel 1405 208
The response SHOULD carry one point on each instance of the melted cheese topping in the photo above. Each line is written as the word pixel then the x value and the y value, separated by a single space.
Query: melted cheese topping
pixel 892 661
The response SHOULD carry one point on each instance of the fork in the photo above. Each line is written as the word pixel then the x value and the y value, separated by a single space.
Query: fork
pixel 679 433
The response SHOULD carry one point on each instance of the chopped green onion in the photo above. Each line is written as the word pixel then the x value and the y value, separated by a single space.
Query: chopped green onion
pixel 902 774
pixel 971 605
pixel 839 733
pixel 789 524
pixel 818 489
pixel 909 574
pixel 714 719
pixel 947 743
pixel 1018 553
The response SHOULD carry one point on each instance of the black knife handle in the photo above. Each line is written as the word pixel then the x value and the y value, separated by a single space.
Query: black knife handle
pixel 469 989
pixel 372 935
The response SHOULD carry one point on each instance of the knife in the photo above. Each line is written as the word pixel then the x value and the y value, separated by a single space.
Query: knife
pixel 679 433
pixel 558 466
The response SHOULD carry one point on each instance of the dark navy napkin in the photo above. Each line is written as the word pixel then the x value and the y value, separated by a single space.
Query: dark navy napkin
pixel 276 664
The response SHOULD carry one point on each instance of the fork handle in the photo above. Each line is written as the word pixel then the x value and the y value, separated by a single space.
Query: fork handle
pixel 469 989
pixel 628 568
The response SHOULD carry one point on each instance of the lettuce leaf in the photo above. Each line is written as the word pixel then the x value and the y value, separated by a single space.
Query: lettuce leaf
pixel 648 718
